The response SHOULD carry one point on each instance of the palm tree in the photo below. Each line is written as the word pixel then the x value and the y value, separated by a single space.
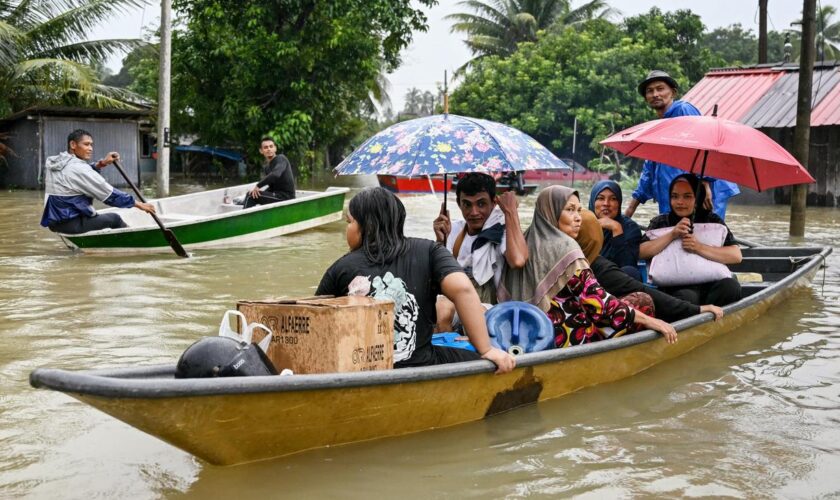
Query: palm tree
pixel 827 39
pixel 45 57
pixel 378 100
pixel 495 27
pixel 427 107
pixel 828 33
pixel 413 102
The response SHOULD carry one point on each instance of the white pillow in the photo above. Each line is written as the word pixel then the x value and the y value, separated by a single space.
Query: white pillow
pixel 673 266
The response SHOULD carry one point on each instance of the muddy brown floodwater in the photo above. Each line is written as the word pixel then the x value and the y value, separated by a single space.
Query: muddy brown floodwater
pixel 755 413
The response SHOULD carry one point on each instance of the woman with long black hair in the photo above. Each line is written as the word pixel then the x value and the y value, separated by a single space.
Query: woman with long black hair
pixel 384 264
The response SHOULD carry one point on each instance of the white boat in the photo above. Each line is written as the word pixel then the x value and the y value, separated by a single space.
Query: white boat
pixel 208 218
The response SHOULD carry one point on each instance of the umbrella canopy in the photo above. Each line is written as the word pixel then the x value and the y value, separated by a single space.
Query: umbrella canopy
pixel 707 145
pixel 447 143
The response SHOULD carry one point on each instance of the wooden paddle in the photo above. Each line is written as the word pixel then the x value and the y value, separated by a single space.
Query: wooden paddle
pixel 167 233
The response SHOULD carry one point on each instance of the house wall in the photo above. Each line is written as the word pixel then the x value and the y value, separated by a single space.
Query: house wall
pixel 33 140
pixel 823 164
pixel 108 135
pixel 20 166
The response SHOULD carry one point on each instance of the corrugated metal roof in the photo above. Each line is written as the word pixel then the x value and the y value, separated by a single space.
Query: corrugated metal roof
pixel 765 96
pixel 777 108
pixel 735 92
pixel 827 111
pixel 67 111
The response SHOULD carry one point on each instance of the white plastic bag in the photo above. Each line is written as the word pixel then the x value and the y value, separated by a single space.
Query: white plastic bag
pixel 248 330
pixel 673 266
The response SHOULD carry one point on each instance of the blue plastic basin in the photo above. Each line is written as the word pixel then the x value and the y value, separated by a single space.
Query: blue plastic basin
pixel 518 327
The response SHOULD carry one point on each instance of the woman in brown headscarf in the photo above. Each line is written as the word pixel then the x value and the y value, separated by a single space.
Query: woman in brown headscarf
pixel 557 278
pixel 591 240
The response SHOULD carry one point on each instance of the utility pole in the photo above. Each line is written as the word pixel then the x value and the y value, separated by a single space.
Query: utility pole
pixel 165 74
pixel 445 93
pixel 762 31
pixel 574 147
pixel 802 134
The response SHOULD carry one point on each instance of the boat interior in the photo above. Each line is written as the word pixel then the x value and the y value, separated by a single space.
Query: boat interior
pixel 193 206
pixel 763 266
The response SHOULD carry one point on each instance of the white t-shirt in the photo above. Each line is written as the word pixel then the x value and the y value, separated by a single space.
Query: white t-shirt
pixel 465 253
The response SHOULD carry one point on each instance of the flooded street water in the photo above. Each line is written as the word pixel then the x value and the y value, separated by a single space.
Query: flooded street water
pixel 754 413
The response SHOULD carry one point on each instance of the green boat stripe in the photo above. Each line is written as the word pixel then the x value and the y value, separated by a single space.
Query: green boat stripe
pixel 217 228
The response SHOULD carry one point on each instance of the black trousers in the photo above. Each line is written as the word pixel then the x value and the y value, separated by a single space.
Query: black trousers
pixel 442 355
pixel 719 293
pixel 445 355
pixel 84 224
pixel 618 283
pixel 266 198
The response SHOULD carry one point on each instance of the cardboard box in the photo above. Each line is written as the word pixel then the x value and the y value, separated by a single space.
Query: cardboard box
pixel 326 335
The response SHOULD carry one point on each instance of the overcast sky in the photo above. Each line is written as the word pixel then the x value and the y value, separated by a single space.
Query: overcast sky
pixel 425 60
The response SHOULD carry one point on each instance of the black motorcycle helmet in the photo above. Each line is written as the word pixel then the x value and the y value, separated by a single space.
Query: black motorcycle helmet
pixel 223 357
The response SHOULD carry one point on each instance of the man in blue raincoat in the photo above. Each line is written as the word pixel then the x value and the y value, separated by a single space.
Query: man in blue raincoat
pixel 659 91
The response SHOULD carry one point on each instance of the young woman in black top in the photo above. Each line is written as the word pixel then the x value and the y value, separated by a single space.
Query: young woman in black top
pixel 685 212
pixel 385 264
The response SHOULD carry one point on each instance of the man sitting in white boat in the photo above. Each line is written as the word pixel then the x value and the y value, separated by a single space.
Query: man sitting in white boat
pixel 71 184
pixel 278 179
pixel 488 238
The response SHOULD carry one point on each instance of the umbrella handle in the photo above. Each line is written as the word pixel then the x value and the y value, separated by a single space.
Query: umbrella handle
pixel 445 191
pixel 699 183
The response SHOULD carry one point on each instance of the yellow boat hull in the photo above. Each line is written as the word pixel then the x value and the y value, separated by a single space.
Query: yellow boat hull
pixel 291 414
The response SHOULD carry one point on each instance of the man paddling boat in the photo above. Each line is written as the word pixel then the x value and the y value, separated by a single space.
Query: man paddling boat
pixel 72 183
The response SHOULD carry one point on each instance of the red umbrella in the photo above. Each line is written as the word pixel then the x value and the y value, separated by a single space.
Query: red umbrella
pixel 707 145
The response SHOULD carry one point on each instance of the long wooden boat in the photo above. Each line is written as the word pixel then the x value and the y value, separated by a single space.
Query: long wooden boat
pixel 274 416
pixel 208 218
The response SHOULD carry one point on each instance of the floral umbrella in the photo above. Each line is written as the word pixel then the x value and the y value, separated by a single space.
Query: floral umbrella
pixel 442 144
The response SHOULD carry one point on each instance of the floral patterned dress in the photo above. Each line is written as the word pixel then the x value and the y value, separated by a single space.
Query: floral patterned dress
pixel 583 312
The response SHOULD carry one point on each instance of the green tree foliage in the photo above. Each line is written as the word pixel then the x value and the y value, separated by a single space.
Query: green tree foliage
pixel 590 73
pixel 682 32
pixel 299 70
pixel 495 27
pixel 138 66
pixel 45 57
pixel 735 46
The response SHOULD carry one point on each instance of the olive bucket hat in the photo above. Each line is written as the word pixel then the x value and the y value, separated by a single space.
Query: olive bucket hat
pixel 657 75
